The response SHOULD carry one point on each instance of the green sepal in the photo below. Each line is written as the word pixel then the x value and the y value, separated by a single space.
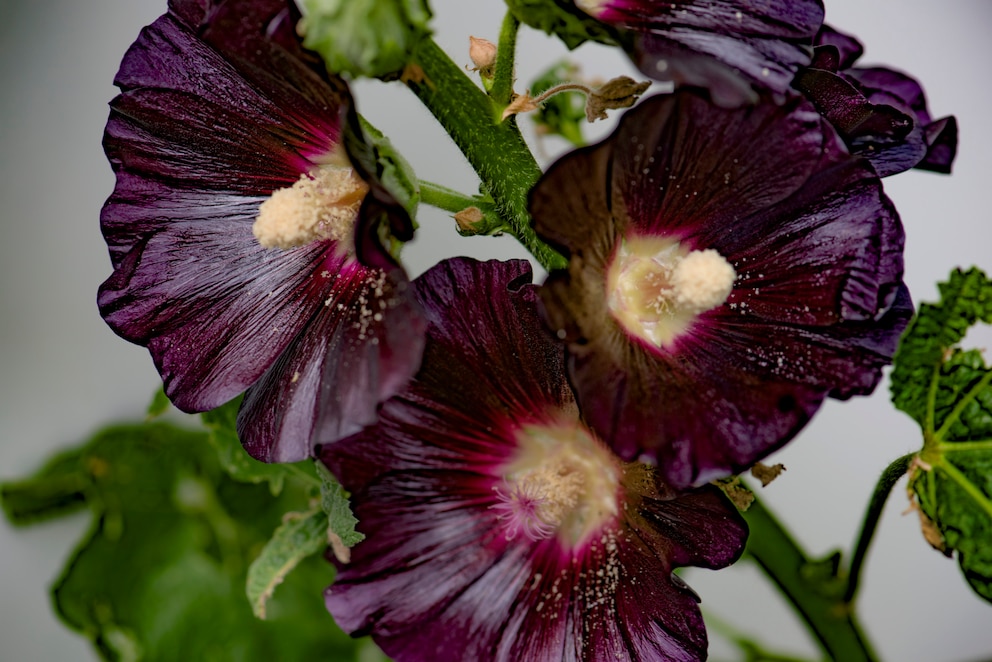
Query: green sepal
pixel 299 536
pixel 334 501
pixel 946 389
pixel 563 19
pixel 394 171
pixel 371 38
pixel 223 435
pixel 563 114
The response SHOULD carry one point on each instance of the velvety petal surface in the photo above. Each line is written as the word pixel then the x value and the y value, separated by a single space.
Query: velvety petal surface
pixel 728 48
pixel 816 307
pixel 437 578
pixel 219 107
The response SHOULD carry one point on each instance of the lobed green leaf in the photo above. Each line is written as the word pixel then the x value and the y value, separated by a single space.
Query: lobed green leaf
pixel 946 389
pixel 161 574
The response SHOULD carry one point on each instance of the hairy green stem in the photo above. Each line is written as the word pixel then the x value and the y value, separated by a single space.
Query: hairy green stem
pixel 506 55
pixel 873 512
pixel 831 620
pixel 495 149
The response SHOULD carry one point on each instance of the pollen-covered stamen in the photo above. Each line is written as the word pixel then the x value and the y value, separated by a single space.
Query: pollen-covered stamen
pixel 322 204
pixel 561 482
pixel 655 288
pixel 537 501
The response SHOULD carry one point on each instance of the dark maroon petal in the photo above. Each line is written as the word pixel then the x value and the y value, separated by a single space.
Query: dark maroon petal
pixel 213 307
pixel 724 47
pixel 436 578
pixel 359 348
pixel 815 310
pixel 881 113
pixel 846 48
pixel 937 139
pixel 850 111
pixel 220 106
pixel 942 145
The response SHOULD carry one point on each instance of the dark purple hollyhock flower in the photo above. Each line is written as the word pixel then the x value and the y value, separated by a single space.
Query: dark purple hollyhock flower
pixel 498 526
pixel 728 48
pixel 881 113
pixel 233 224
pixel 728 270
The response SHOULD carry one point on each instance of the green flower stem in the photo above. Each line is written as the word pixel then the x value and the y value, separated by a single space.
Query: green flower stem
pixel 506 51
pixel 445 198
pixel 495 149
pixel 883 488
pixel 831 620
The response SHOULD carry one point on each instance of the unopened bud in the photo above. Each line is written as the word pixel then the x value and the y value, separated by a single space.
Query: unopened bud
pixel 483 55
pixel 467 220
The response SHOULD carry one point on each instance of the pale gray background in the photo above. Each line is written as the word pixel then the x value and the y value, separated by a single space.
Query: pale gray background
pixel 64 373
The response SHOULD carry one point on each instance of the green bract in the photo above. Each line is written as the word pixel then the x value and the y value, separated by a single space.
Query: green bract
pixel 947 390
pixel 372 38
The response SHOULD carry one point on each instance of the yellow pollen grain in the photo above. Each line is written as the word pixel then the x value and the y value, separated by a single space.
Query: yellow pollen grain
pixel 320 205
pixel 702 280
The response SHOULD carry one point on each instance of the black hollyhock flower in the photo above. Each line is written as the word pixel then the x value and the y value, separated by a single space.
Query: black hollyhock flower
pixel 881 113
pixel 729 48
pixel 728 270
pixel 498 527
pixel 233 225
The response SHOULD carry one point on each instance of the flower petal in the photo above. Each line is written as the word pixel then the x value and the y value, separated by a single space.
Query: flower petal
pixel 359 348
pixel 815 310
pixel 724 47
pixel 437 578
pixel 219 107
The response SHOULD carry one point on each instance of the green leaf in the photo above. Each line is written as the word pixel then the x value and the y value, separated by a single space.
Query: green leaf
pixel 372 38
pixel 55 490
pixel 334 501
pixel 161 574
pixel 222 425
pixel 564 19
pixel 946 389
pixel 300 536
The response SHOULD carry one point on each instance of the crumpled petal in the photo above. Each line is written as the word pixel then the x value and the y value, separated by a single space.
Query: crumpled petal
pixel 881 113
pixel 816 308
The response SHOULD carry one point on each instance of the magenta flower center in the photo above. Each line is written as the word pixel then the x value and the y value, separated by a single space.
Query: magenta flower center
pixel 322 204
pixel 656 288
pixel 562 481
